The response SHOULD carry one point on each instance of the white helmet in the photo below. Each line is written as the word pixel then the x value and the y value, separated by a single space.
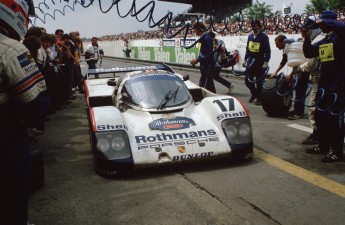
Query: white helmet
pixel 16 14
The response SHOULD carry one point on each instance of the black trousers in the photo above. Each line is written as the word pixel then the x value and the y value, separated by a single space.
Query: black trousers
pixel 300 92
pixel 15 176
pixel 330 130
pixel 206 79
pixel 255 85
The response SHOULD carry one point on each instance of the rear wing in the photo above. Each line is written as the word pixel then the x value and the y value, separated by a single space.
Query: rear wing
pixel 111 72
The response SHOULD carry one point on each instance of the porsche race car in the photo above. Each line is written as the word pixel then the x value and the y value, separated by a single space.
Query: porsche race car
pixel 146 116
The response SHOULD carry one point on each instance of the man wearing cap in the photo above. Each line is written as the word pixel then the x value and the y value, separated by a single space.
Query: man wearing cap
pixel 329 114
pixel 312 66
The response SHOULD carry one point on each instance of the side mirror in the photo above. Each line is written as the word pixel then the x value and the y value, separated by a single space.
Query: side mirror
pixel 185 77
pixel 111 82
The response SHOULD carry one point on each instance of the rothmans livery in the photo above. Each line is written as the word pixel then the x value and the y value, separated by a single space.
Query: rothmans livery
pixel 149 115
pixel 19 72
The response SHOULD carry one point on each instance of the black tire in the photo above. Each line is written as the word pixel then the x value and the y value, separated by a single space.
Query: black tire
pixel 37 179
pixel 105 173
pixel 113 174
pixel 272 103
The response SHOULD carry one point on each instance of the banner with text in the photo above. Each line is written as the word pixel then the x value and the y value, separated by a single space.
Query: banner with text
pixel 165 54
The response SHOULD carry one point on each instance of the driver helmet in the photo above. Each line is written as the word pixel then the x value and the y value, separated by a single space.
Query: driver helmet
pixel 15 13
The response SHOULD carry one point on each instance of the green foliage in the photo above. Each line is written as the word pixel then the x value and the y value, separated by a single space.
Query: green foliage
pixel 259 11
pixel 318 6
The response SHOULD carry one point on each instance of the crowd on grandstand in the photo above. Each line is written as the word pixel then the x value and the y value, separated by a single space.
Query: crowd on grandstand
pixel 272 26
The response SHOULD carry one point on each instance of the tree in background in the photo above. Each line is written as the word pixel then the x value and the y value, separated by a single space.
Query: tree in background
pixel 259 11
pixel 317 6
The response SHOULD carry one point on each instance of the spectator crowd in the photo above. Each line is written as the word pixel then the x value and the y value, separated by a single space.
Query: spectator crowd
pixel 271 26
pixel 58 58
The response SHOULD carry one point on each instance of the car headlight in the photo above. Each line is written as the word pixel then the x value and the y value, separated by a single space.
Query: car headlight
pixel 114 145
pixel 238 131
pixel 118 143
pixel 103 144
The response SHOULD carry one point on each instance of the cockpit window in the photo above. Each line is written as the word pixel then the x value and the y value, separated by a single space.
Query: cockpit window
pixel 149 91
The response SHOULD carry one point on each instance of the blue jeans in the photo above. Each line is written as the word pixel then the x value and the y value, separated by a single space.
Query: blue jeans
pixel 93 66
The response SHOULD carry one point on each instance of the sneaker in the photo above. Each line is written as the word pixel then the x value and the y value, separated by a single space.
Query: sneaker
pixel 291 112
pixel 315 150
pixel 311 140
pixel 295 116
pixel 252 98
pixel 331 157
pixel 231 88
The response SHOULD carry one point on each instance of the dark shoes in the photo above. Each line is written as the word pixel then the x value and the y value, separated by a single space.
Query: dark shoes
pixel 331 157
pixel 72 97
pixel 295 115
pixel 311 140
pixel 66 103
pixel 252 98
pixel 315 150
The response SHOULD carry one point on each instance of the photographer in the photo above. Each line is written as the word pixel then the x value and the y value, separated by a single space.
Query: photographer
pixel 127 49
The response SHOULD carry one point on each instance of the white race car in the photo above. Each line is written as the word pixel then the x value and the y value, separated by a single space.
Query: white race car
pixel 149 115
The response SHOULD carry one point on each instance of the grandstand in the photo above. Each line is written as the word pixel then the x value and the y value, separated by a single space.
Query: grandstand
pixel 228 7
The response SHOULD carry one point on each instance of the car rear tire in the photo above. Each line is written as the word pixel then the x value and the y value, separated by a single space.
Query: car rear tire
pixel 272 103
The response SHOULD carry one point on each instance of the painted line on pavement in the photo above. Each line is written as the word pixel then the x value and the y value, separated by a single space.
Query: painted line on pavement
pixel 300 127
pixel 306 175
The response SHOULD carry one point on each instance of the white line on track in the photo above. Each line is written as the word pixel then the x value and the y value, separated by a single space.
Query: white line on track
pixel 300 127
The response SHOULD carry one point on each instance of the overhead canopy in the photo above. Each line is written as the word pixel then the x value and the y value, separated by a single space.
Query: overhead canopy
pixel 180 1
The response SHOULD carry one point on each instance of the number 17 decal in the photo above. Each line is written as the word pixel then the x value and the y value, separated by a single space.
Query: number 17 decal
pixel 227 104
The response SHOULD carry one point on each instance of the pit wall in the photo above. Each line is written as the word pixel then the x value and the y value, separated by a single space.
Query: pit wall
pixel 172 50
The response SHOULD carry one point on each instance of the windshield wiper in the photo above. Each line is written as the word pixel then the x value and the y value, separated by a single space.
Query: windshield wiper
pixel 167 98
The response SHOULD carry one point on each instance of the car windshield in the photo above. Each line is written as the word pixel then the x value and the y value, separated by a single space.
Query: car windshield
pixel 151 90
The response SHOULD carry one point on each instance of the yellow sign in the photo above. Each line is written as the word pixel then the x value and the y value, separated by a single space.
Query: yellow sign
pixel 326 52
pixel 254 46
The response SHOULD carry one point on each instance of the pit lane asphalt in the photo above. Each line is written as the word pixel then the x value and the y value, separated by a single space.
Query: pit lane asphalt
pixel 281 185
